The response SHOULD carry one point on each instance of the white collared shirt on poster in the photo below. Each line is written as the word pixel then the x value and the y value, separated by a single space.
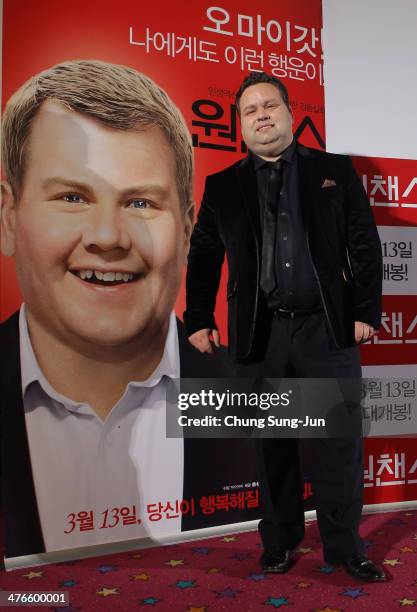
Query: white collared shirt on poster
pixel 83 464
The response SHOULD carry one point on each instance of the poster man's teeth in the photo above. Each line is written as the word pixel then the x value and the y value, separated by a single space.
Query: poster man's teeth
pixel 105 276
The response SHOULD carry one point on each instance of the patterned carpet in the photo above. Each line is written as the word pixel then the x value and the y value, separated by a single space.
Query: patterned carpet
pixel 222 573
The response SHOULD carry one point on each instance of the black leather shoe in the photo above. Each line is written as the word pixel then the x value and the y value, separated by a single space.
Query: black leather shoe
pixel 276 561
pixel 362 568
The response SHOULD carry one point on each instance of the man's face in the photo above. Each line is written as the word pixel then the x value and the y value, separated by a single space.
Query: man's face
pixel 265 120
pixel 99 235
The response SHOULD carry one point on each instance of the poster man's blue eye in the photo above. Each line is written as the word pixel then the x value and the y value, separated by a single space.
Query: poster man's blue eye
pixel 139 203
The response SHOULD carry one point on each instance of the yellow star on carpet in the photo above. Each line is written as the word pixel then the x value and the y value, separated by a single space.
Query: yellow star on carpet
pixel 327 609
pixel 33 575
pixel 229 539
pixel 303 585
pixel 304 551
pixel 214 570
pixel 137 556
pixel 192 609
pixel 407 602
pixel 105 592
pixel 392 562
pixel 142 576
pixel 175 562
pixel 406 549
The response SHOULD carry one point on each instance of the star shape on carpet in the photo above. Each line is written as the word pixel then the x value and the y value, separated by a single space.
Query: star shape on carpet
pixel 201 550
pixel 302 585
pixel 276 602
pixel 106 592
pixel 105 569
pixel 229 539
pixel 392 562
pixel 227 592
pixel 406 549
pixel 194 609
pixel 215 570
pixel 185 584
pixel 67 583
pixel 327 609
pixel 141 576
pixel 242 556
pixel 353 592
pixel 175 562
pixel 327 569
pixel 136 556
pixel 149 601
pixel 407 602
pixel 304 551
pixel 396 521
pixel 32 575
pixel 257 577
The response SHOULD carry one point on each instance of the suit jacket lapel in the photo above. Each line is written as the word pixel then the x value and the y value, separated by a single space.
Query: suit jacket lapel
pixel 23 534
pixel 308 181
pixel 249 192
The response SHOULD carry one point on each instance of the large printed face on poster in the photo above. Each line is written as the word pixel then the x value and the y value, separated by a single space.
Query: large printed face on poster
pixel 96 227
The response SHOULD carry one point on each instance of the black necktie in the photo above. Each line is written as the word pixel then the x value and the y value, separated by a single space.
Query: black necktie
pixel 268 280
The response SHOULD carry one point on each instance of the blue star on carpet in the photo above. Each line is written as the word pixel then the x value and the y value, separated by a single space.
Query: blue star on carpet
pixel 242 556
pixel 327 569
pixel 185 584
pixel 201 550
pixel 105 569
pixel 67 583
pixel 395 521
pixel 276 602
pixel 149 601
pixel 227 592
pixel 354 593
pixel 257 577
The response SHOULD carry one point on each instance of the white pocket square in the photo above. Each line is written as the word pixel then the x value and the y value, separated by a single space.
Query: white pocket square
pixel 328 183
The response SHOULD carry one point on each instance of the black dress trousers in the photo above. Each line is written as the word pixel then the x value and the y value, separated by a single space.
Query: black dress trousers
pixel 301 347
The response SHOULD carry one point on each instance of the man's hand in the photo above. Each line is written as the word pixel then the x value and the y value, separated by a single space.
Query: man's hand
pixel 205 339
pixel 363 332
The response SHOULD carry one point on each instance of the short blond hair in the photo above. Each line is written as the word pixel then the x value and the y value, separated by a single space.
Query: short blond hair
pixel 117 96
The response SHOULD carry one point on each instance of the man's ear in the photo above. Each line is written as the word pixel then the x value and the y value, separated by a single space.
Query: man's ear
pixel 189 219
pixel 7 219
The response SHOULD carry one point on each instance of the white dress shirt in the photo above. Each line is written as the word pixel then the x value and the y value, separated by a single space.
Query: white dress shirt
pixel 82 464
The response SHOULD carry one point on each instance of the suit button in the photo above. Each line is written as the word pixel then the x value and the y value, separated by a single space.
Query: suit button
pixel 287 264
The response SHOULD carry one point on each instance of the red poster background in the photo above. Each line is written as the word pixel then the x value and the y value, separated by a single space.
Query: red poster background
pixel 39 34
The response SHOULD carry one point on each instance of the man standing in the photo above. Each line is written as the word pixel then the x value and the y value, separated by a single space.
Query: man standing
pixel 304 289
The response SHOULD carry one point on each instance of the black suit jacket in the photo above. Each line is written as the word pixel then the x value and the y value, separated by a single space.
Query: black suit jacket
pixel 208 463
pixel 342 241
